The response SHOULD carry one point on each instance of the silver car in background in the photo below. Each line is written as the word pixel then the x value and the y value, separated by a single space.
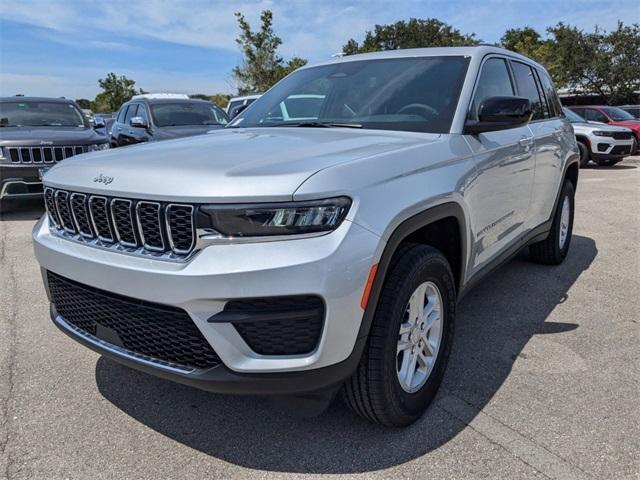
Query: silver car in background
pixel 298 258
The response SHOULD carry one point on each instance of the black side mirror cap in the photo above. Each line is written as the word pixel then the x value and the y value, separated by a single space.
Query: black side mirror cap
pixel 500 113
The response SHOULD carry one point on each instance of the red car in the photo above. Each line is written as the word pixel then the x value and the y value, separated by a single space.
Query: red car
pixel 612 116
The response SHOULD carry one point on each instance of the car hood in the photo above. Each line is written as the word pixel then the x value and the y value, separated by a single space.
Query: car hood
pixel 632 124
pixel 586 127
pixel 37 136
pixel 166 133
pixel 228 165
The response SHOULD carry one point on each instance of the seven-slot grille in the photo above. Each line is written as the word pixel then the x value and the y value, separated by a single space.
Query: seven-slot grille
pixel 43 154
pixel 622 135
pixel 144 226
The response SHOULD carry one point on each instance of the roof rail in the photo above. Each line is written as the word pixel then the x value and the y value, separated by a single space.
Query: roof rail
pixel 181 96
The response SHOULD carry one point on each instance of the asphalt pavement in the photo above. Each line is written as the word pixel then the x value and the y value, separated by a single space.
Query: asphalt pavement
pixel 543 382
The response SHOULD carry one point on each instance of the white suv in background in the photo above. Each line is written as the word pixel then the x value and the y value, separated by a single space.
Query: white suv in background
pixel 604 144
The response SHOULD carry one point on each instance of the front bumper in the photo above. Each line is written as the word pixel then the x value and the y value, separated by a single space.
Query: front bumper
pixel 17 181
pixel 605 148
pixel 334 267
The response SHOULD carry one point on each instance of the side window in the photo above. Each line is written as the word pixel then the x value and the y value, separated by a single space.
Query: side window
pixel 233 105
pixel 527 87
pixel 594 115
pixel 494 81
pixel 131 112
pixel 121 114
pixel 555 106
pixel 142 112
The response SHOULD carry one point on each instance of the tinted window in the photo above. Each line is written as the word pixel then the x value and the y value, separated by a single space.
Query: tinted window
pixel 572 116
pixel 617 114
pixel 527 87
pixel 417 94
pixel 494 81
pixel 142 112
pixel 40 114
pixel 121 114
pixel 594 115
pixel 555 106
pixel 303 106
pixel 233 105
pixel 635 111
pixel 131 112
pixel 184 113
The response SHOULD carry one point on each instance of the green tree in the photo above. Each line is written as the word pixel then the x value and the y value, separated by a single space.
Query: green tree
pixel 84 103
pixel 529 43
pixel 262 67
pixel 219 99
pixel 606 63
pixel 116 91
pixel 415 33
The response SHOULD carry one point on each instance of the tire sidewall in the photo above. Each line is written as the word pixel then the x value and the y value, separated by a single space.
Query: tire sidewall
pixel 433 269
pixel 567 192
pixel 584 154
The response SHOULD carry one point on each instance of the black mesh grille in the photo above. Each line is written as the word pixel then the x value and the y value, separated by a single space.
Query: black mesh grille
pixel 14 154
pixel 58 154
pixel 123 221
pixel 150 224
pixel 48 155
pixel 285 336
pixel 50 205
pixel 99 213
pixel 180 222
pixel 64 214
pixel 81 213
pixel 150 329
pixel 78 150
pixel 68 152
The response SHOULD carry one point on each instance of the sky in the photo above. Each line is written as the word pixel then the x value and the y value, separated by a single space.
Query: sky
pixel 62 48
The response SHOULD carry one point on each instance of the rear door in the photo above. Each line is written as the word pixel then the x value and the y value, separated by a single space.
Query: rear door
pixel 548 131
pixel 500 195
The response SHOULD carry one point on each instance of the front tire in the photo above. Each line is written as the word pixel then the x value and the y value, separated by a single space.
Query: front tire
pixel 553 250
pixel 584 154
pixel 409 342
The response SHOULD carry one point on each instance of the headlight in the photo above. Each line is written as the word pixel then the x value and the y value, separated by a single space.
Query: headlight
pixel 98 146
pixel 269 219
pixel 600 133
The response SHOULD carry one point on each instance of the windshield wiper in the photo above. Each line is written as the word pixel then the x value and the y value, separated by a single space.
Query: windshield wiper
pixel 318 125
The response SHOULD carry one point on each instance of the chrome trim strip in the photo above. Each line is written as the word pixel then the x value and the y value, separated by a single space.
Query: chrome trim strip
pixel 55 196
pixel 106 214
pixel 115 224
pixel 144 244
pixel 120 351
pixel 73 214
pixel 170 235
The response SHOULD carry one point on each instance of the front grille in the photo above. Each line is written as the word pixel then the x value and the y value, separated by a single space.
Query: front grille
pixel 43 154
pixel 156 331
pixel 620 150
pixel 136 225
pixel 289 325
pixel 622 135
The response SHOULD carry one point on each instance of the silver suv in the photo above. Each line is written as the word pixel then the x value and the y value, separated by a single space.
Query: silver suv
pixel 300 258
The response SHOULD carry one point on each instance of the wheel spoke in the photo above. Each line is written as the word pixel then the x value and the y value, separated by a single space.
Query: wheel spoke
pixel 403 345
pixel 411 368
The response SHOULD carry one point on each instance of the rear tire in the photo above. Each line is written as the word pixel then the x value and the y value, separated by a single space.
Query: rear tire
pixel 403 334
pixel 584 154
pixel 553 250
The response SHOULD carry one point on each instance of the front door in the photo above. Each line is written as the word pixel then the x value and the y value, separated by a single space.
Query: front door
pixel 500 195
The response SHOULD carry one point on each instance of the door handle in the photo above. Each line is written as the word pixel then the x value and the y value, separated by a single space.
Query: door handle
pixel 526 143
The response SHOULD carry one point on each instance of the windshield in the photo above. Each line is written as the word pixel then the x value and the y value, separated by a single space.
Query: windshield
pixel 572 116
pixel 617 114
pixel 40 114
pixel 417 94
pixel 185 113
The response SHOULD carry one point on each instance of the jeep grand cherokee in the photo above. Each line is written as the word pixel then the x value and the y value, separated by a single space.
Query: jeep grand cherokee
pixel 301 258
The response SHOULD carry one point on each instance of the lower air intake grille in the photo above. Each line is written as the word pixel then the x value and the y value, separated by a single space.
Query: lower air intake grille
pixel 289 325
pixel 153 330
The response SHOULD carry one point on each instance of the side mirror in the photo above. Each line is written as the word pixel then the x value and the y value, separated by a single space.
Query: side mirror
pixel 98 123
pixel 138 122
pixel 500 113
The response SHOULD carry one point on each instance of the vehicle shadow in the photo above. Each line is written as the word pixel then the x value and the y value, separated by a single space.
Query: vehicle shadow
pixel 24 210
pixel 495 321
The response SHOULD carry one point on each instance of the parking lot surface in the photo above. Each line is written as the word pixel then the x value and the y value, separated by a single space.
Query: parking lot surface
pixel 543 382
